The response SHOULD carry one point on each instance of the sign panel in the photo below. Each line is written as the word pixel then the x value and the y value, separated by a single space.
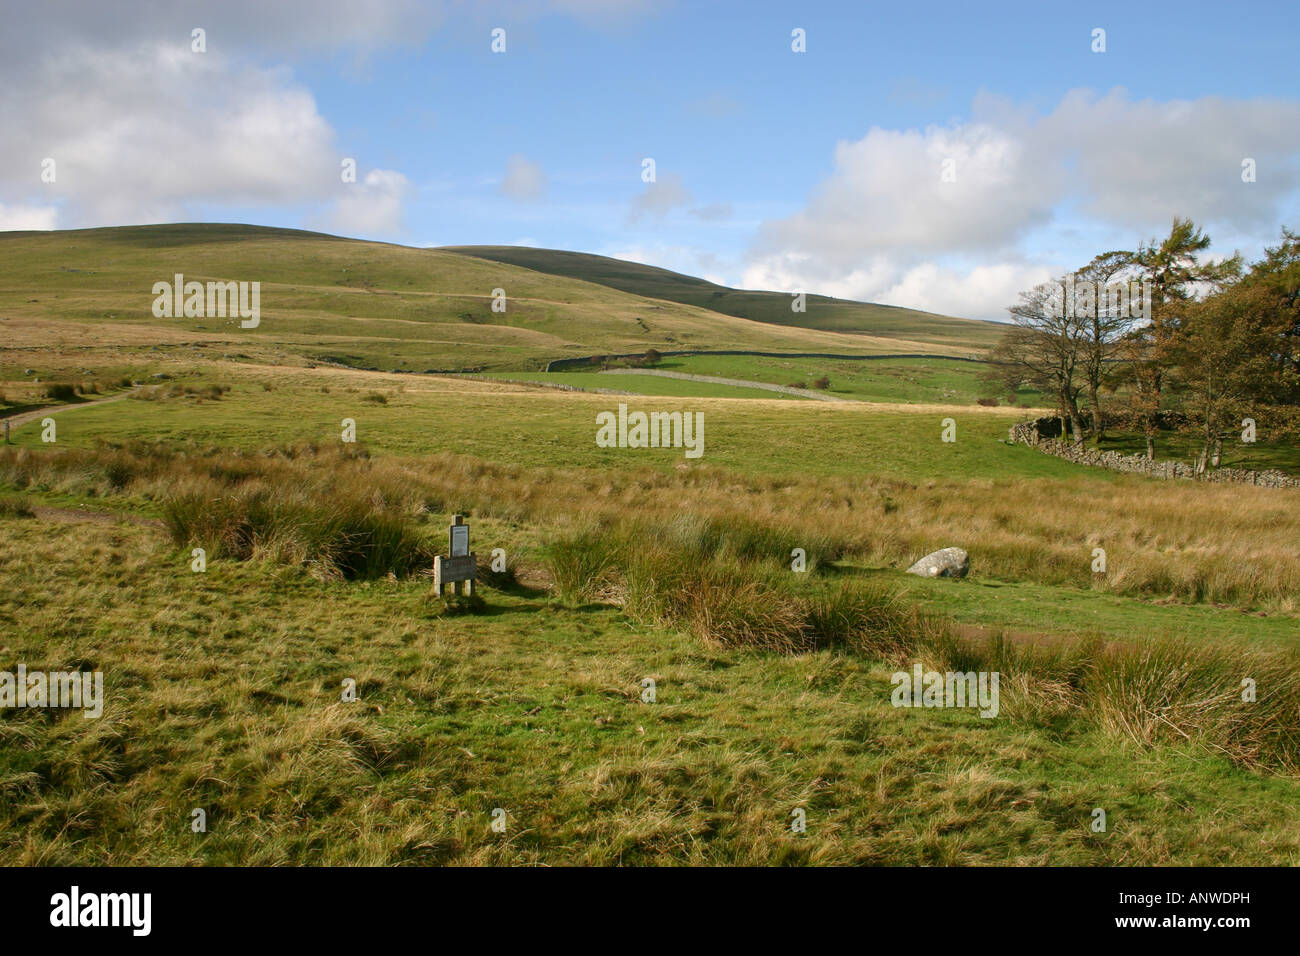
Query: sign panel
pixel 457 569
pixel 459 540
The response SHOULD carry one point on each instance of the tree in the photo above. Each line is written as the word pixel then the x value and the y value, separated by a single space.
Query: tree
pixel 1104 324
pixel 1173 272
pixel 1237 352
pixel 1276 277
pixel 1044 348
pixel 1225 364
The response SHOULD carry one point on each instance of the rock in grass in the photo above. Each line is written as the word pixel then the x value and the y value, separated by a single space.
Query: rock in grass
pixel 945 563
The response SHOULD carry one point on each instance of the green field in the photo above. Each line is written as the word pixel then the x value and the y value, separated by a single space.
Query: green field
pixel 559 428
pixel 925 381
pixel 911 381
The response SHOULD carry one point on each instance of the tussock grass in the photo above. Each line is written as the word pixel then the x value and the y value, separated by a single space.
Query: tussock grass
pixel 720 570
pixel 14 507
pixel 347 536
pixel 1158 692
pixel 61 392
pixel 1173 692
pixel 1191 543
pixel 729 592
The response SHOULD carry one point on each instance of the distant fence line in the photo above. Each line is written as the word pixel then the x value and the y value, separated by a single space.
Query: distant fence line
pixel 558 364
pixel 1032 433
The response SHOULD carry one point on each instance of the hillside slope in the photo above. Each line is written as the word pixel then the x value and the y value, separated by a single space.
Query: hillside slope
pixel 367 304
pixel 823 312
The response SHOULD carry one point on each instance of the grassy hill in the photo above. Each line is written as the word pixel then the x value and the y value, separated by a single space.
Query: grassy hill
pixel 823 312
pixel 363 304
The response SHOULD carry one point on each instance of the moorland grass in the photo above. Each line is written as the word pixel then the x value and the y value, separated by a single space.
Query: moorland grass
pixel 223 693
pixel 1189 542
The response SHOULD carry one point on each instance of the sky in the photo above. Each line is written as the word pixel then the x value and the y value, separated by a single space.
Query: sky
pixel 940 156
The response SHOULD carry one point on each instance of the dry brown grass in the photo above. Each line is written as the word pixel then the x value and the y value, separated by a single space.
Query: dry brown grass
pixel 1231 545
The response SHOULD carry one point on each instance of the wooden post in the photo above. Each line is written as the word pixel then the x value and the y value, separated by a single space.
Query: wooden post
pixel 6 431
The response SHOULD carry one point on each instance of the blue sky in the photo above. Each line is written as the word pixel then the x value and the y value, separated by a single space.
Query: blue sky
pixel 818 170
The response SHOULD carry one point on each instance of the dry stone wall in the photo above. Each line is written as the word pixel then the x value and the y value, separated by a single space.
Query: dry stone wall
pixel 1042 433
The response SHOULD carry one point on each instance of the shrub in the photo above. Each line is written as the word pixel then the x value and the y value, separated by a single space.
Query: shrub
pixel 61 392
pixel 582 564
pixel 347 536
pixel 822 383
pixel 377 398
pixel 13 507
pixel 863 617
pixel 797 385
pixel 987 402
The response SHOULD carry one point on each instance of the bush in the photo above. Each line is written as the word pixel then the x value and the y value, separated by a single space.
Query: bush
pixel 987 402
pixel 582 565
pixel 862 617
pixel 651 357
pixel 797 385
pixel 13 507
pixel 377 398
pixel 822 383
pixel 61 392
pixel 346 536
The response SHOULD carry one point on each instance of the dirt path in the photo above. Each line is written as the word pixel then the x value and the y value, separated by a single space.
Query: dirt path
pixel 22 418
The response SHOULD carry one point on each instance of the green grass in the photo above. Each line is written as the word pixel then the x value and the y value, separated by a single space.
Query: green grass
pixel 558 429
pixel 1043 609
pixel 773 689
pixel 223 693
pixel 919 381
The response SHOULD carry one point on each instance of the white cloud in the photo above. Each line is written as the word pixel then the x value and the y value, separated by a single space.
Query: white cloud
pixel 27 217
pixel 979 291
pixel 1142 163
pixel 524 179
pixel 370 208
pixel 886 226
pixel 144 134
